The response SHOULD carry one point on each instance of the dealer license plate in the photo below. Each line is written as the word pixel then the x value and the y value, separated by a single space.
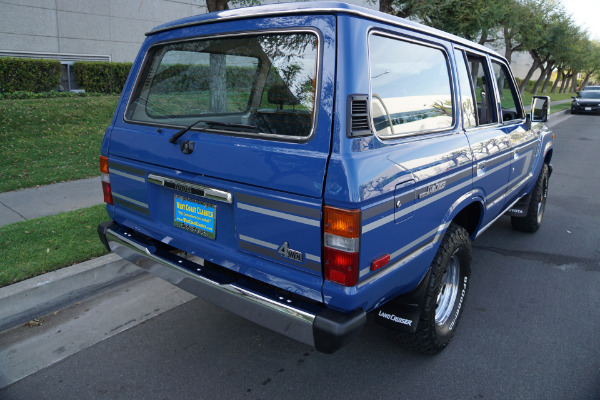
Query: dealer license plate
pixel 195 216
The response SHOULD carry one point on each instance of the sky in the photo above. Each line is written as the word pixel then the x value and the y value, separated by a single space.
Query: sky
pixel 587 15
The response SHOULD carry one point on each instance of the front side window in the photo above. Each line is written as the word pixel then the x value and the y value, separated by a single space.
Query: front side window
pixel 509 96
pixel 410 87
pixel 255 84
pixel 482 86
pixel 466 92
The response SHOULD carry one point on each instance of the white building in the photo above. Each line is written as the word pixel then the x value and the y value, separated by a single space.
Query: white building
pixel 102 30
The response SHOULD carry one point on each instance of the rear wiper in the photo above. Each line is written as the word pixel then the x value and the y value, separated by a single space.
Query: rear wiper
pixel 179 134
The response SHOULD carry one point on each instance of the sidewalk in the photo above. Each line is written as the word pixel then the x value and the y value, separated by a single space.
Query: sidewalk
pixel 25 204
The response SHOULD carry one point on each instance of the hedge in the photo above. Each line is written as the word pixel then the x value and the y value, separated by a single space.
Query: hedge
pixel 21 95
pixel 31 75
pixel 101 77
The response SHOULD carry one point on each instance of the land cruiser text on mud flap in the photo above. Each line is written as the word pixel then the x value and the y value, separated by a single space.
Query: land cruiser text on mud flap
pixel 305 164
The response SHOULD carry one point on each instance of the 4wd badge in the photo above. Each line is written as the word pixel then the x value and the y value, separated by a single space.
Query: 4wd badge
pixel 285 251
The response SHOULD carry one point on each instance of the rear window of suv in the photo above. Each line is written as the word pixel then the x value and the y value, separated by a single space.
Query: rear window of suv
pixel 247 84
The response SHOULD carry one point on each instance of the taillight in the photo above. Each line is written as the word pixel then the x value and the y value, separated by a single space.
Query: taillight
pixel 341 245
pixel 105 180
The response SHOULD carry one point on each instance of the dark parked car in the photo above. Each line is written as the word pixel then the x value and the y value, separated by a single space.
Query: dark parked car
pixel 591 88
pixel 586 101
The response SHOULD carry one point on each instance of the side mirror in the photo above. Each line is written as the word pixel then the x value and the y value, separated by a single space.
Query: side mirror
pixel 540 108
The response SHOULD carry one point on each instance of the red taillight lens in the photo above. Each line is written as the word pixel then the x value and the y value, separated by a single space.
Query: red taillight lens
pixel 341 267
pixel 105 180
pixel 107 193
pixel 341 245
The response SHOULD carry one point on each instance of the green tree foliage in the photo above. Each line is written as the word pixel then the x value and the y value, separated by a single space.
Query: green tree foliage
pixel 540 27
pixel 475 20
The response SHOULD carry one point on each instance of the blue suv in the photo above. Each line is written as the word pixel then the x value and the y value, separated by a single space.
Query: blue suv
pixel 303 165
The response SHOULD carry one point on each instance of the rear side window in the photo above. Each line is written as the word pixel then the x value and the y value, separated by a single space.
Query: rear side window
pixel 251 84
pixel 410 87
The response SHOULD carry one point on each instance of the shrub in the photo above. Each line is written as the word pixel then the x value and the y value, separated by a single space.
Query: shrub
pixel 101 77
pixel 23 95
pixel 30 75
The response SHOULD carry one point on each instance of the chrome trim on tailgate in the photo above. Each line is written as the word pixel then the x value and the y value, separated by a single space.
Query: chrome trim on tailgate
pixel 282 318
pixel 192 188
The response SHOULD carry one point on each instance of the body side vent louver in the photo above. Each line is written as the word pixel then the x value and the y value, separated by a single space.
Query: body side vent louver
pixel 357 122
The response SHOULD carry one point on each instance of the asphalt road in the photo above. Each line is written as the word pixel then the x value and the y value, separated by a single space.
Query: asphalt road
pixel 530 328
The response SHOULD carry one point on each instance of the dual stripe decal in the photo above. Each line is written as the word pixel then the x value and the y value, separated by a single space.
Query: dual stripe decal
pixel 134 174
pixel 128 202
pixel 427 240
pixel 278 214
pixel 267 249
pixel 420 204
pixel 126 175
pixel 495 165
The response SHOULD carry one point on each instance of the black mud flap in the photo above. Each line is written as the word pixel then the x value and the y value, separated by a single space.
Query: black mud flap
pixel 520 208
pixel 403 312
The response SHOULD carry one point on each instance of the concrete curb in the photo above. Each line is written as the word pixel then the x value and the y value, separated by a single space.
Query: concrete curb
pixel 46 293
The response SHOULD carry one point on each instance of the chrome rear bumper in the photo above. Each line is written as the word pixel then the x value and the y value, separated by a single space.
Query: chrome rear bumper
pixel 295 317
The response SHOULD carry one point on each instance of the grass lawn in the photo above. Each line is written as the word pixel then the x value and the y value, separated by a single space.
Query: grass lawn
pixel 51 140
pixel 559 107
pixel 526 97
pixel 41 245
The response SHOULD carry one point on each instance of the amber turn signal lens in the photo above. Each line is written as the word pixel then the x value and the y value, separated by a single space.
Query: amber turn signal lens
pixel 345 223
pixel 104 165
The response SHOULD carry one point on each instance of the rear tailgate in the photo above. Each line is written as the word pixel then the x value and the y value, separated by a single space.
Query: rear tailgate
pixel 249 201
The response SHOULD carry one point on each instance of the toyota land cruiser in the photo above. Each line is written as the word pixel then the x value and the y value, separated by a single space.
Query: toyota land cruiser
pixel 303 165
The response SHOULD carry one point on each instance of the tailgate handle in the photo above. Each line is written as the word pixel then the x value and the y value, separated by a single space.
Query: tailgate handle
pixel 191 188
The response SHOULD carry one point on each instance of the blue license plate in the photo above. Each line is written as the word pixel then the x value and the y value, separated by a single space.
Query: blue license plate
pixel 195 216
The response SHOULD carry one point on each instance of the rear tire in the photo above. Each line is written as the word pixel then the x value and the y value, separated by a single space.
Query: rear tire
pixel 535 212
pixel 445 296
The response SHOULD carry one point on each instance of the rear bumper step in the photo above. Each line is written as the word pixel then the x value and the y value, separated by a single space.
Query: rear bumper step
pixel 301 319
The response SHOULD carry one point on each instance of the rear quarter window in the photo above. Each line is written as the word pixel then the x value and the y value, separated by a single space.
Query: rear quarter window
pixel 410 87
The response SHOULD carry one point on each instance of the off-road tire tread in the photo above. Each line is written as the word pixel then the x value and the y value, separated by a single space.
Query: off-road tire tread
pixel 425 340
pixel 529 222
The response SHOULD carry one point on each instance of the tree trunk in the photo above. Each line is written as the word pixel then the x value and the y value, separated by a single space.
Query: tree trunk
pixel 217 83
pixel 563 83
pixel 534 66
pixel 559 73
pixel 547 81
pixel 574 83
pixel 484 38
pixel 545 71
pixel 537 83
pixel 507 46
pixel 586 79
pixel 386 6
pixel 217 5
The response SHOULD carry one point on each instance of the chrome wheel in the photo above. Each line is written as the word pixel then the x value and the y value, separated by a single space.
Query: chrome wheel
pixel 448 291
pixel 542 203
